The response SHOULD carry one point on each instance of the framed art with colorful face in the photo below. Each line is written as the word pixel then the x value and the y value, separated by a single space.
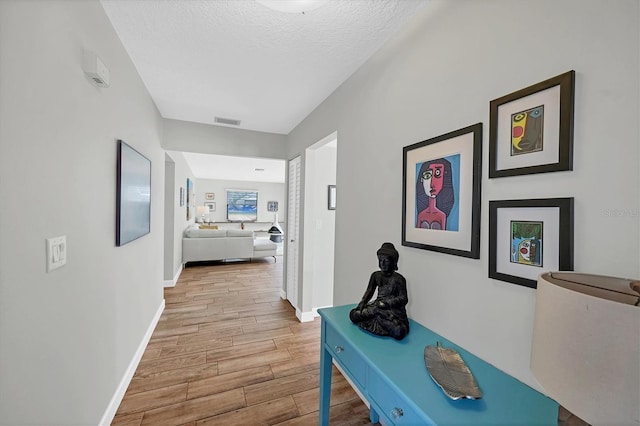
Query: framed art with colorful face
pixel 531 130
pixel 529 237
pixel 441 193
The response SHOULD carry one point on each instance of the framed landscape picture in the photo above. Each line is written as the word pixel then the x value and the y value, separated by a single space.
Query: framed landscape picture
pixel 441 193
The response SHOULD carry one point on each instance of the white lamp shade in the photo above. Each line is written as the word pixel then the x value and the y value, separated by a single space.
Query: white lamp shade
pixel 202 210
pixel 586 346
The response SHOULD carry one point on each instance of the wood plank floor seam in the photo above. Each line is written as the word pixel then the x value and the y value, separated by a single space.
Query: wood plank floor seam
pixel 228 350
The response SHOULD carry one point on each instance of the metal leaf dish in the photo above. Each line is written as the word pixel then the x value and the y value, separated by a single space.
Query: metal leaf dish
pixel 447 368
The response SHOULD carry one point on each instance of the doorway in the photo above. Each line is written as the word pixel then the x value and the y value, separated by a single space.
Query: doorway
pixel 311 239
pixel 293 229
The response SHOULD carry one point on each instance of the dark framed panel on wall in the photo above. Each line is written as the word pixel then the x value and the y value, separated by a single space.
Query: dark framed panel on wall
pixel 331 197
pixel 529 237
pixel 441 186
pixel 531 130
pixel 133 195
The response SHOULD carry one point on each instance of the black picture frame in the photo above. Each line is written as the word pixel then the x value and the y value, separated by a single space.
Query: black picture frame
pixel 531 130
pixel 331 197
pixel 555 248
pixel 133 194
pixel 462 149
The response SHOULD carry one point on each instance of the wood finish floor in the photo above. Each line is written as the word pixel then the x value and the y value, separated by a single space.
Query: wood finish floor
pixel 228 350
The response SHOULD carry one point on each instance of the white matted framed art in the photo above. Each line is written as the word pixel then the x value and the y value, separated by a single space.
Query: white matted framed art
pixel 531 130
pixel 441 193
pixel 529 237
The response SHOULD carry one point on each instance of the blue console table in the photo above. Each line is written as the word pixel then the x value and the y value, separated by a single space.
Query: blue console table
pixel 393 378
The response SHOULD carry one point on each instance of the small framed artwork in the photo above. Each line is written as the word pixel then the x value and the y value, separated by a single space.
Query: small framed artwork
pixel 181 196
pixel 190 198
pixel 441 193
pixel 272 206
pixel 531 130
pixel 211 205
pixel 331 197
pixel 209 196
pixel 529 237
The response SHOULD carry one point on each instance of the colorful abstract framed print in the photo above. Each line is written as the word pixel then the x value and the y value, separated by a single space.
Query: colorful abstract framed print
pixel 531 130
pixel 529 237
pixel 441 193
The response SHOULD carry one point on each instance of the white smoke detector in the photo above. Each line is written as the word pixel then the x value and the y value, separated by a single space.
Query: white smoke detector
pixel 95 69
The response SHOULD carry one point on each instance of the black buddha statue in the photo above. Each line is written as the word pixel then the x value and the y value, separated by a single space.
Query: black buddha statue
pixel 386 315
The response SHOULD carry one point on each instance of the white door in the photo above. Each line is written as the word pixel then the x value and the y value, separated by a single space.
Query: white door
pixel 293 227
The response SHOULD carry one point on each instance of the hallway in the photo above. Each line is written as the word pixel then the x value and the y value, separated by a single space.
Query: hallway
pixel 228 350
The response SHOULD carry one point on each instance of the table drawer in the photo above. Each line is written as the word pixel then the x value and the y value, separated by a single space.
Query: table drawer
pixel 346 355
pixel 392 406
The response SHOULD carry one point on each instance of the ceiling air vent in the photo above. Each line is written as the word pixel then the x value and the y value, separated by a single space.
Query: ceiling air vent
pixel 229 121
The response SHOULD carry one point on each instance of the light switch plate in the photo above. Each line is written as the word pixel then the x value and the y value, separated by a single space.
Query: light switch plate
pixel 56 252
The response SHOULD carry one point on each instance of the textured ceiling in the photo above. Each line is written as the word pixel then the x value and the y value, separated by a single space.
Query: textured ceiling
pixel 238 59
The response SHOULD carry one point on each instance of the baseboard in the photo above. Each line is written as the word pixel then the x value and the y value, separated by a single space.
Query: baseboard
pixel 172 283
pixel 309 316
pixel 110 412
pixel 283 294
pixel 306 316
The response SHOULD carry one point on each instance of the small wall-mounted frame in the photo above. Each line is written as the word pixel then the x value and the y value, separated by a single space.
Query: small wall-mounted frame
pixel 210 196
pixel 190 198
pixel 529 237
pixel 441 190
pixel 531 130
pixel 272 206
pixel 211 205
pixel 331 197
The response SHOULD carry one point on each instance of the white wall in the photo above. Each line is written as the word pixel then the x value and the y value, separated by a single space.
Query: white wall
pixel 319 228
pixel 67 337
pixel 182 172
pixel 207 139
pixel 169 220
pixel 267 191
pixel 438 75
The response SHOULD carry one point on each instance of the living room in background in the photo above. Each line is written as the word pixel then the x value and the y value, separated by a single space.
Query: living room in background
pixel 133 195
pixel 242 205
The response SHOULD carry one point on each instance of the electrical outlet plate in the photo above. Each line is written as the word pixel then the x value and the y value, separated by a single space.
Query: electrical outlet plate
pixel 56 252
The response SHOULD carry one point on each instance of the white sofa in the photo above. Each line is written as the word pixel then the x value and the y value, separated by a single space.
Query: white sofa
pixel 222 244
